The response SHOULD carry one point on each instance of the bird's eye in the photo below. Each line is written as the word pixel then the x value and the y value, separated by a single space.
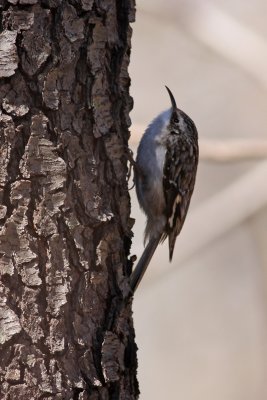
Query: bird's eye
pixel 175 120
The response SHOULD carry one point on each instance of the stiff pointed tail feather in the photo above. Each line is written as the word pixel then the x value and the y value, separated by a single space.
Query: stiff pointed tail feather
pixel 143 263
pixel 172 240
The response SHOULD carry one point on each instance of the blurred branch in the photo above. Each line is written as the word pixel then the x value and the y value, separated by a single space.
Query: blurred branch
pixel 232 150
pixel 221 150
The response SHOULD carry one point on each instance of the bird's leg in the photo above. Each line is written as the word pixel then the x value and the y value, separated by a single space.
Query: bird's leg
pixel 130 158
pixel 133 164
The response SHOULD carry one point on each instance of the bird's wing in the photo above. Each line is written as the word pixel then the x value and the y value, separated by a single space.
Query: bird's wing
pixel 178 182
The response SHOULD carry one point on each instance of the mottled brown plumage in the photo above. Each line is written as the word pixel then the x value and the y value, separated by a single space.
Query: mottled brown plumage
pixel 179 174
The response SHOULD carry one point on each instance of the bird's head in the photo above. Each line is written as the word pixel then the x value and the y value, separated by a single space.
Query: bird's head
pixel 180 123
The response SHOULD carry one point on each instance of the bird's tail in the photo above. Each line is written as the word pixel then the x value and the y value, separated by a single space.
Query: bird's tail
pixel 172 240
pixel 143 263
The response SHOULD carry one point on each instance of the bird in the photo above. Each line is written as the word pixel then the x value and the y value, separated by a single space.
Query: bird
pixel 165 174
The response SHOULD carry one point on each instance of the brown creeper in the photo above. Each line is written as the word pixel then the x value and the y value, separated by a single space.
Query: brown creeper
pixel 167 159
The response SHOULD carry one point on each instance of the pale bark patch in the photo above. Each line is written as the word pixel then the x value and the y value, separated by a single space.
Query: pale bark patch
pixel 8 53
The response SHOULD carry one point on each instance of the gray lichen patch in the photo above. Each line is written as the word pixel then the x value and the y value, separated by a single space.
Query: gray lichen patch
pixel 8 53
pixel 9 323
pixel 41 161
pixel 17 20
pixel 73 26
pixel 8 134
pixel 57 269
pixel 50 91
pixel 36 42
pixel 15 246
pixel 31 320
pixel 112 357
pixel 16 99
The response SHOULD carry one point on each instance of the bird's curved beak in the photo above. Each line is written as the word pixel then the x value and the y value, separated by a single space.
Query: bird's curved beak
pixel 172 99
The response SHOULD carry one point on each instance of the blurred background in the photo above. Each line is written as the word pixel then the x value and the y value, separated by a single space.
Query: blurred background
pixel 201 321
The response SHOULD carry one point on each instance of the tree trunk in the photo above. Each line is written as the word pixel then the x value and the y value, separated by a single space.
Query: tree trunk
pixel 66 330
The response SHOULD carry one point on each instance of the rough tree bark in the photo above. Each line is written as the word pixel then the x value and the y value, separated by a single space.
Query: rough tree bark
pixel 65 326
